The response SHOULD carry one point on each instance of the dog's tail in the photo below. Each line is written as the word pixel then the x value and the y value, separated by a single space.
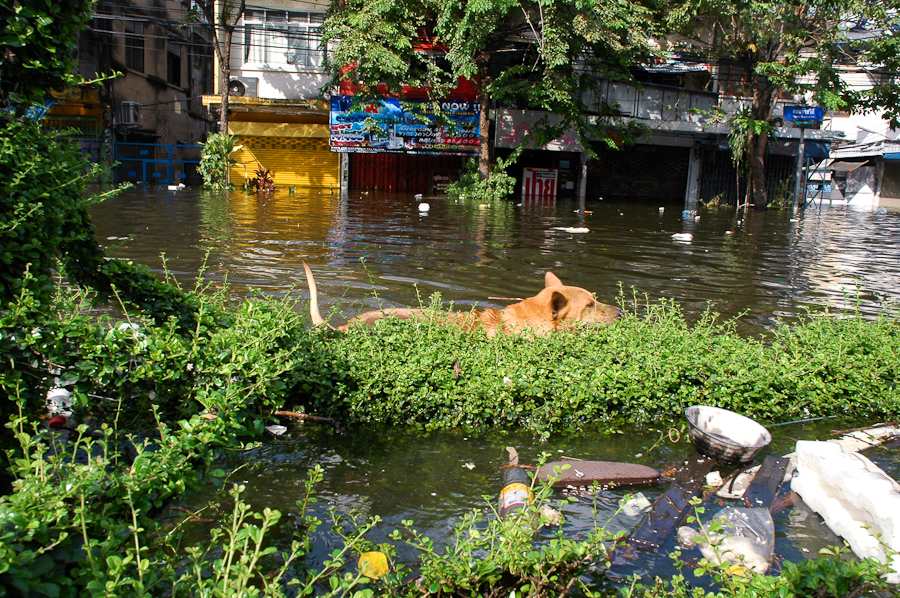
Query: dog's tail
pixel 317 318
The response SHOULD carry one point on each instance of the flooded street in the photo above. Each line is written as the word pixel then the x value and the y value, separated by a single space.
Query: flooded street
pixel 757 267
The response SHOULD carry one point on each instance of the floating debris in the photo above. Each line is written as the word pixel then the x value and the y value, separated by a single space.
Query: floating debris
pixel 572 229
pixel 585 473
pixel 276 430
pixel 635 505
pixel 725 435
pixel 745 538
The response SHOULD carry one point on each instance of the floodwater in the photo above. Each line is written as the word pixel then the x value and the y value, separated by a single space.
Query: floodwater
pixel 760 266
pixel 756 267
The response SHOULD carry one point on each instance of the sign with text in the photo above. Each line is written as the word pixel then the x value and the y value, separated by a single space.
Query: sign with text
pixel 539 183
pixel 404 127
pixel 805 113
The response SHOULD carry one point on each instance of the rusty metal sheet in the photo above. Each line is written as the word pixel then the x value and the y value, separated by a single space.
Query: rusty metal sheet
pixel 606 473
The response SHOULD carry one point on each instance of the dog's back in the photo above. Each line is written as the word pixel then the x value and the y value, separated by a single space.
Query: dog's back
pixel 556 307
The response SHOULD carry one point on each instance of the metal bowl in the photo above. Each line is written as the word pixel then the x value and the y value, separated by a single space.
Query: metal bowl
pixel 725 435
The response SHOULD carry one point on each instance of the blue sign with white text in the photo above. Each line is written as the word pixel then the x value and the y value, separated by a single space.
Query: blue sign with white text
pixel 802 113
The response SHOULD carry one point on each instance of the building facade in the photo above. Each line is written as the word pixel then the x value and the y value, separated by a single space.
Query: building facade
pixel 275 105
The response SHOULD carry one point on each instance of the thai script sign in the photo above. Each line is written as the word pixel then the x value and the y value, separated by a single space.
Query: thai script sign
pixel 802 113
pixel 404 127
pixel 539 183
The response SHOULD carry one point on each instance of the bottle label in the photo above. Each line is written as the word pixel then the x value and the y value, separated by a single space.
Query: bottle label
pixel 514 495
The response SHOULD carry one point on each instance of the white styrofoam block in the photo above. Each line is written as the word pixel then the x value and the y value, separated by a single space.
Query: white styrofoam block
pixel 856 501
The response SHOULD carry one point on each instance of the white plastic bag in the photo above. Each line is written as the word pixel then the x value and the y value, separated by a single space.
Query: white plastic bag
pixel 746 537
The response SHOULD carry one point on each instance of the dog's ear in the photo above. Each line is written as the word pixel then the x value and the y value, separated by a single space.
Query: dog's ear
pixel 558 304
pixel 551 280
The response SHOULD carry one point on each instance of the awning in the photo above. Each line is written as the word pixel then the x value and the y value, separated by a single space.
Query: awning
pixel 838 166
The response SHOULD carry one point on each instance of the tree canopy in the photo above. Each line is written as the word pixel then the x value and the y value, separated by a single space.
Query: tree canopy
pixel 777 48
pixel 546 55
pixel 38 39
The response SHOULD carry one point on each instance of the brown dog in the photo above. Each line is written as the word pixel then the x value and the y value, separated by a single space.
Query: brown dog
pixel 556 307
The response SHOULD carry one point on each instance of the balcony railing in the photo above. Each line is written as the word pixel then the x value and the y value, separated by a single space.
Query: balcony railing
pixel 656 102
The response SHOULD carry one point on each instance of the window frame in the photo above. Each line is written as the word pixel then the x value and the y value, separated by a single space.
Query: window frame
pixel 287 38
pixel 134 46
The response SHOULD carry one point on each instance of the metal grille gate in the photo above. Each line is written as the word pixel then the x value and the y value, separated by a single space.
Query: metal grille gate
pixel 157 164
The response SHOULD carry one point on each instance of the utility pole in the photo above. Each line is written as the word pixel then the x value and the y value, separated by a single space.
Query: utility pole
pixel 800 185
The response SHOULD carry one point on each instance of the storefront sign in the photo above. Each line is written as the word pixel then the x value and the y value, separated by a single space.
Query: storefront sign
pixel 404 127
pixel 803 113
pixel 539 183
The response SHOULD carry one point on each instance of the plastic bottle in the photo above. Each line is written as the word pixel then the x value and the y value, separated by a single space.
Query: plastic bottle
pixel 516 492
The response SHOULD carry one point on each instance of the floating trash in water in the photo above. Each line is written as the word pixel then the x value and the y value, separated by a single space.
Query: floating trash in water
pixel 276 430
pixel 470 466
pixel 683 237
pixel 714 479
pixel 424 207
pixel 572 229
pixel 743 537
pixel 635 505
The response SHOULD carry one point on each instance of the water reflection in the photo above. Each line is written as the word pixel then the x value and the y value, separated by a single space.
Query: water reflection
pixel 764 265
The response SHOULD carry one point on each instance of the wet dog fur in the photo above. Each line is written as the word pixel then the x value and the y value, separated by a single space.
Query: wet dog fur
pixel 556 307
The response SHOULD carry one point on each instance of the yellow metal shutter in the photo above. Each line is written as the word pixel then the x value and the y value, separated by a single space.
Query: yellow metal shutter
pixel 293 161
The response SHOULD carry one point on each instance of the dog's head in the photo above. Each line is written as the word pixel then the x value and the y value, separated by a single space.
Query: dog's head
pixel 558 307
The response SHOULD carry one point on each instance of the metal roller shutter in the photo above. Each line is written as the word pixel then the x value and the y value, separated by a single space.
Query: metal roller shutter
pixel 293 161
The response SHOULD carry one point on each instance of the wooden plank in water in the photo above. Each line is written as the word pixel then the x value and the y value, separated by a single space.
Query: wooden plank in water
pixel 605 473
pixel 665 514
pixel 763 490
pixel 668 510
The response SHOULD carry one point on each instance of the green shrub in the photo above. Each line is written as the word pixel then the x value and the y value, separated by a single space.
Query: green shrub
pixel 216 159
pixel 649 366
pixel 496 187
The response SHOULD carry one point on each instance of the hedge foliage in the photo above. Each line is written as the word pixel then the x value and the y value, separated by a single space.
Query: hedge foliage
pixel 248 360
pixel 45 233
pixel 650 365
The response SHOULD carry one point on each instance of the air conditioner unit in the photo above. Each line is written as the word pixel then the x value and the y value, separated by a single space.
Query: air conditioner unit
pixel 130 113
pixel 243 87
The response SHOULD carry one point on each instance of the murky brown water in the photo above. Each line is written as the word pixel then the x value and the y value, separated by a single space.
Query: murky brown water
pixel 762 265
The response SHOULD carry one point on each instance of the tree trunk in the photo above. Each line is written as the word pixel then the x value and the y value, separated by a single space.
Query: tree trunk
pixel 760 110
pixel 224 18
pixel 756 165
pixel 225 69
pixel 484 124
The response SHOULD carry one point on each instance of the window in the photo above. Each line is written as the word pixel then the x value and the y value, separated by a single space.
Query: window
pixel 173 67
pixel 134 46
pixel 278 37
